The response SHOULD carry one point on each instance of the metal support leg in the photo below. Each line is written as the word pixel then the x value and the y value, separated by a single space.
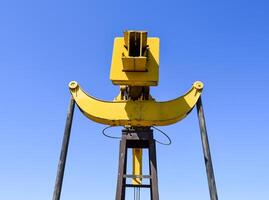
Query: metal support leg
pixel 154 193
pixel 64 150
pixel 120 194
pixel 206 150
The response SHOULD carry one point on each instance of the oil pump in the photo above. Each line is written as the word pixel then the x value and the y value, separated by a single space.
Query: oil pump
pixel 135 68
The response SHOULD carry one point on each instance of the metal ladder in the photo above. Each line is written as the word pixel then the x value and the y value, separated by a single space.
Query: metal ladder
pixel 137 138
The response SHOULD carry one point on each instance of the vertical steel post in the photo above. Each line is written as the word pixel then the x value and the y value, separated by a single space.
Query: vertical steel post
pixel 121 188
pixel 206 150
pixel 154 193
pixel 64 150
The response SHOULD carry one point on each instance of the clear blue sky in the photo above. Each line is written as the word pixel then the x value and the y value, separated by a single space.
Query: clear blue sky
pixel 46 44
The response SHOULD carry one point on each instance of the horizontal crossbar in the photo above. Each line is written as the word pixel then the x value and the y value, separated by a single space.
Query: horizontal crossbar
pixel 136 176
pixel 137 186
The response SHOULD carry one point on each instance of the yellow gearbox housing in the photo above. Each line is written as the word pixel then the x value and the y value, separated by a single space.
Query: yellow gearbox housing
pixel 135 60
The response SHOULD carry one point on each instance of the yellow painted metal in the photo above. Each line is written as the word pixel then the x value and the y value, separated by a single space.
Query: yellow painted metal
pixel 141 70
pixel 136 113
pixel 137 165
pixel 139 37
pixel 136 46
pixel 134 64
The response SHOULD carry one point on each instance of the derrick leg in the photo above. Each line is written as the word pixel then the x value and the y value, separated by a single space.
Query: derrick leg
pixel 206 150
pixel 154 193
pixel 120 195
pixel 64 150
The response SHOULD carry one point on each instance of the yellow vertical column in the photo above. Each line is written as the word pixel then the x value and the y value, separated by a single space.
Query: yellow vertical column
pixel 137 165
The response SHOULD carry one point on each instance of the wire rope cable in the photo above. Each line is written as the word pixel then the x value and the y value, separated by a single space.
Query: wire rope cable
pixel 159 142
pixel 163 133
pixel 109 136
pixel 137 193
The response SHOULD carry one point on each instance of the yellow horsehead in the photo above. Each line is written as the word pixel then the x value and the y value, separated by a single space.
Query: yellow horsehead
pixel 135 67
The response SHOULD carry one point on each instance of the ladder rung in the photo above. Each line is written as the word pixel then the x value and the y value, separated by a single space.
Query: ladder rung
pixel 136 176
pixel 137 186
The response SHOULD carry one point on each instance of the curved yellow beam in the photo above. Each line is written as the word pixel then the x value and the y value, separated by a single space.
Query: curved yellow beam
pixel 136 113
